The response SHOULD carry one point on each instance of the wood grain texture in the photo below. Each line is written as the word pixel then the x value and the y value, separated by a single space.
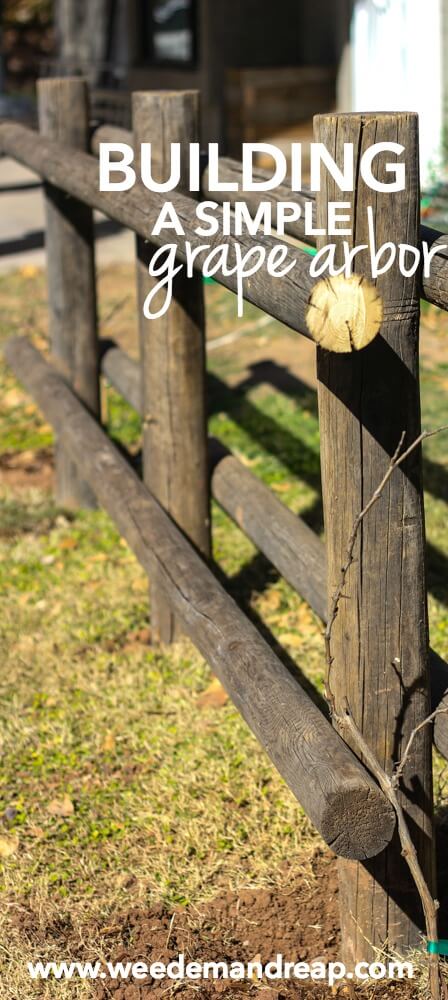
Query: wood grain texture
pixel 434 285
pixel 123 372
pixel 231 172
pixel 109 133
pixel 285 299
pixel 64 116
pixel 290 545
pixel 138 210
pixel 345 314
pixel 339 796
pixel 172 357
pixel 380 636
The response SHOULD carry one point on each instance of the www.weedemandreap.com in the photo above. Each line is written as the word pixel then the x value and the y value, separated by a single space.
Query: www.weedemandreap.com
pixel 181 969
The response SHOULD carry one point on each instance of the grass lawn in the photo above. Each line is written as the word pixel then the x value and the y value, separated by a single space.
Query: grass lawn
pixel 127 776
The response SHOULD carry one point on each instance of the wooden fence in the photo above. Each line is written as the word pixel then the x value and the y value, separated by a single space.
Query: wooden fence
pixel 366 401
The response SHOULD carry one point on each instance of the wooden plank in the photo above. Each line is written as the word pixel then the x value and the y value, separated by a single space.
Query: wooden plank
pixel 172 357
pixel 230 172
pixel 380 636
pixel 339 796
pixel 290 545
pixel 123 373
pixel 286 298
pixel 110 133
pixel 64 116
pixel 435 285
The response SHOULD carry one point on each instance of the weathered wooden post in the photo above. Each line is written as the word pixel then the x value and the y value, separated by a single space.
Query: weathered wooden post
pixel 380 636
pixel 172 352
pixel 64 116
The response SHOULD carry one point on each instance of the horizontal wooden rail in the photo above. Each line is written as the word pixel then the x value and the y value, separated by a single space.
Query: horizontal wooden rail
pixel 123 373
pixel 338 794
pixel 296 552
pixel 286 299
pixel 283 537
pixel 434 287
pixel 230 172
pixel 294 290
pixel 110 133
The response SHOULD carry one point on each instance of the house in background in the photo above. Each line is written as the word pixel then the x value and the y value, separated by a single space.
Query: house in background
pixel 357 55
pixel 215 46
pixel 263 67
pixel 398 61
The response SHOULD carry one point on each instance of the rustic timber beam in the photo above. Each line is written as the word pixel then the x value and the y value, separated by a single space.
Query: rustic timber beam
pixel 231 172
pixel 110 133
pixel 172 358
pixel 339 796
pixel 379 637
pixel 286 299
pixel 283 537
pixel 123 373
pixel 434 286
pixel 63 106
pixel 296 552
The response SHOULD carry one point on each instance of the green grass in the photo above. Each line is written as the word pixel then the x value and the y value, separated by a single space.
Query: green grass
pixel 168 800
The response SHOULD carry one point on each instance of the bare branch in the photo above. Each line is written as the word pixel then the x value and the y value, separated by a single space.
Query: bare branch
pixel 398 773
pixel 346 724
pixel 397 459
pixel 430 906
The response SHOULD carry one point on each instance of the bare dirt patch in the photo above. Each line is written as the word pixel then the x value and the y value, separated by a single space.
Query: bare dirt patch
pixel 22 470
pixel 299 921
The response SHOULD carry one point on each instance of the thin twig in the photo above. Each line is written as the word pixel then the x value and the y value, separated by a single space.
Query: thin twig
pixel 346 723
pixel 399 769
pixel 170 930
pixel 397 459
pixel 430 905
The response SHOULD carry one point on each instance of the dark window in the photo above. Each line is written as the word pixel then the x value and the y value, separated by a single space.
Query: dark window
pixel 170 30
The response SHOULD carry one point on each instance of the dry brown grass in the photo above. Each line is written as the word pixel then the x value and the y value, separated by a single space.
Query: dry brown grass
pixel 171 800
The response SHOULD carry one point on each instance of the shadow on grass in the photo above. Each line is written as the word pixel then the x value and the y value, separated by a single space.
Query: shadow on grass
pixel 301 460
pixel 254 578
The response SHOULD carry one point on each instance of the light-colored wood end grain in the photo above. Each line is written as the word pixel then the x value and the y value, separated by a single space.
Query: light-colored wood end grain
pixel 344 314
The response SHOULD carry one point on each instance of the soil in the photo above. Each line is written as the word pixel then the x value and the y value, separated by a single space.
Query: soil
pixel 299 921
pixel 22 470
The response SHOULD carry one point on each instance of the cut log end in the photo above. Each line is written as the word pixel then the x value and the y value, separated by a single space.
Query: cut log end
pixel 359 824
pixel 344 314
